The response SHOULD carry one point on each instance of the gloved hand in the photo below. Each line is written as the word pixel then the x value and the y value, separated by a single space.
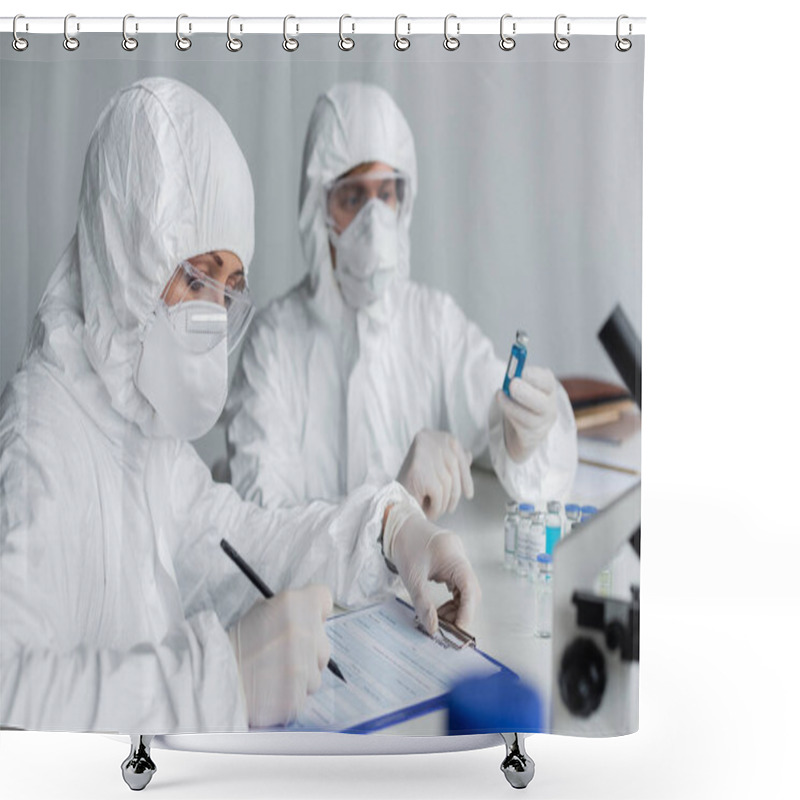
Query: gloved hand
pixel 435 472
pixel 529 416
pixel 423 552
pixel 281 649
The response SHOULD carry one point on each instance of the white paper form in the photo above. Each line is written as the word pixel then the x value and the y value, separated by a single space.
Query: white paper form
pixel 389 664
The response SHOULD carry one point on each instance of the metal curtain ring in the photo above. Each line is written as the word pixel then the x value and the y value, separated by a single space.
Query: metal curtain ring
pixel 129 43
pixel 507 42
pixel 181 42
pixel 289 44
pixel 233 44
pixel 451 42
pixel 70 42
pixel 401 42
pixel 623 45
pixel 345 42
pixel 561 43
pixel 18 43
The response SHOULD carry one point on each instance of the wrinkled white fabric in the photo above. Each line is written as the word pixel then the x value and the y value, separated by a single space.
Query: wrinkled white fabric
pixel 324 397
pixel 155 191
pixel 282 648
pixel 114 592
pixel 185 382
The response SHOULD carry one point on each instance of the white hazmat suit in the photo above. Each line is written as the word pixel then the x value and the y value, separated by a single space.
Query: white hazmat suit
pixel 327 397
pixel 115 596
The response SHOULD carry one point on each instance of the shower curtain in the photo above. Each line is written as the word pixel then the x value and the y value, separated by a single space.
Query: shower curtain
pixel 421 413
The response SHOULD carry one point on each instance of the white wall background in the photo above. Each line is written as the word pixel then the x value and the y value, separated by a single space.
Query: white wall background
pixel 529 164
pixel 719 709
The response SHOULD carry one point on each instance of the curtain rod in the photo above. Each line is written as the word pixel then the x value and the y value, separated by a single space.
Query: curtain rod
pixel 461 26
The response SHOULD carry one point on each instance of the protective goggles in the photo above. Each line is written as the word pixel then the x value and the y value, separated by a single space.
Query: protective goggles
pixel 347 196
pixel 205 310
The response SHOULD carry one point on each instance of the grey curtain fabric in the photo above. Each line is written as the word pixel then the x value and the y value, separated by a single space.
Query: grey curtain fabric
pixel 529 204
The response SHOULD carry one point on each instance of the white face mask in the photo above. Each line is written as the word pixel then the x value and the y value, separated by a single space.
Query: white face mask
pixel 182 371
pixel 367 254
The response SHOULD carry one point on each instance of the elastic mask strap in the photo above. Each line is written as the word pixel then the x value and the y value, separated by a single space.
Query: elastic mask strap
pixel 144 327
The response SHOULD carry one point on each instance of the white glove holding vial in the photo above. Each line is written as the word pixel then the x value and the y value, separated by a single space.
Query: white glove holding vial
pixel 423 552
pixel 436 472
pixel 530 413
pixel 281 649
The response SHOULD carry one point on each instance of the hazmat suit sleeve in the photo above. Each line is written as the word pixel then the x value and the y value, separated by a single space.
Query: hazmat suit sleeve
pixel 53 673
pixel 336 544
pixel 472 375
pixel 264 424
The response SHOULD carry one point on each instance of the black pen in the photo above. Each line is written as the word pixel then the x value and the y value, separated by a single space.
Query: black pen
pixel 264 589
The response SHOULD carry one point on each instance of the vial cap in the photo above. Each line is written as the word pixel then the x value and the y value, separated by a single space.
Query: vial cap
pixel 522 338
pixel 588 510
pixel 572 507
pixel 553 506
pixel 528 508
pixel 544 558
pixel 511 506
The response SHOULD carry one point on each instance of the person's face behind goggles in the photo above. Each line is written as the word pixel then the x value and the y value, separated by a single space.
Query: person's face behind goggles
pixel 207 296
pixel 183 364
pixel 349 194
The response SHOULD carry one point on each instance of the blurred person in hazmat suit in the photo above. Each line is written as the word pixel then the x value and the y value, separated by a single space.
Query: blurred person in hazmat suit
pixel 360 374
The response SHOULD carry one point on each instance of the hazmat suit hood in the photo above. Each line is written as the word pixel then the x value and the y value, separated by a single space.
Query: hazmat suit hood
pixel 352 123
pixel 163 180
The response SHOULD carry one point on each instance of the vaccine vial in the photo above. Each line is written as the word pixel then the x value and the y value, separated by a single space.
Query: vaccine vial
pixel 544 596
pixel 510 530
pixel 523 550
pixel 587 512
pixel 604 583
pixel 516 361
pixel 552 525
pixel 573 512
pixel 538 540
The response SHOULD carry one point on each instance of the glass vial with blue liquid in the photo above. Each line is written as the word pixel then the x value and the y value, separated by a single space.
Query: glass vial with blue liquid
pixel 553 525
pixel 516 361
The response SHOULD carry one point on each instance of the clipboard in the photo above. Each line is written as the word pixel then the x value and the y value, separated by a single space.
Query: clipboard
pixel 453 638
